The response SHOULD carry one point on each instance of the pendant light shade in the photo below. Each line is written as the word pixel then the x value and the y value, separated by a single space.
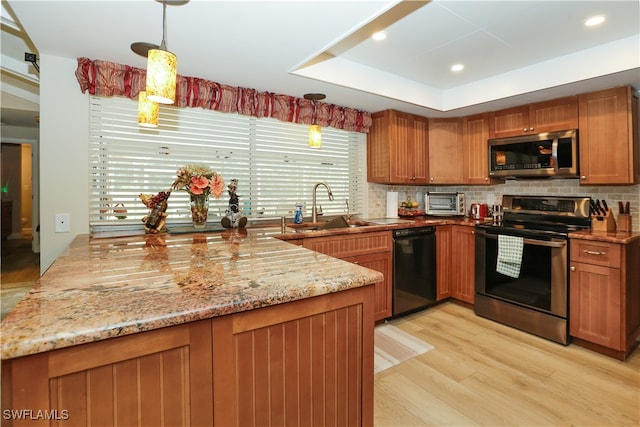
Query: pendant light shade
pixel 315 132
pixel 161 76
pixel 315 136
pixel 147 111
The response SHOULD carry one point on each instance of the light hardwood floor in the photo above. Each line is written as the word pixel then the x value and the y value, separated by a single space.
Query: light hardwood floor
pixel 484 373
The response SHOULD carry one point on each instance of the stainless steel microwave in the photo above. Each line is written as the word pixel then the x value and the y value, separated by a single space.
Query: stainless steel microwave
pixel 444 204
pixel 543 155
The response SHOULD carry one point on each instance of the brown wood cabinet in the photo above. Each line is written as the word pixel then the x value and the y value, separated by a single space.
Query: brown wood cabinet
pixel 463 254
pixel 307 363
pixel 443 261
pixel 475 150
pixel 310 361
pixel 605 296
pixel 547 116
pixel 373 250
pixel 143 379
pixel 609 148
pixel 398 148
pixel 446 151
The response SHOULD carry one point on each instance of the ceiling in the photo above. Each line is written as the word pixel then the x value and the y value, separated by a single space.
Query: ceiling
pixel 514 52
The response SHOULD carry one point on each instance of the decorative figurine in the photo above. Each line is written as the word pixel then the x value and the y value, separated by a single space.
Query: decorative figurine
pixel 155 222
pixel 234 217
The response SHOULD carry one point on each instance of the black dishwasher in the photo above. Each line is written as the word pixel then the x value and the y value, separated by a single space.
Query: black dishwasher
pixel 414 269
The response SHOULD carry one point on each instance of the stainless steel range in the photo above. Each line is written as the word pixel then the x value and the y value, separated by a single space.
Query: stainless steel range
pixel 522 263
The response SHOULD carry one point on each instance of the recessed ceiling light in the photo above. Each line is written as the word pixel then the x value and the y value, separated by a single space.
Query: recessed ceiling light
pixel 380 35
pixel 457 67
pixel 594 20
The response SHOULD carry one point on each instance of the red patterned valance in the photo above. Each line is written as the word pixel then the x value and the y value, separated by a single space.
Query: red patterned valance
pixel 111 79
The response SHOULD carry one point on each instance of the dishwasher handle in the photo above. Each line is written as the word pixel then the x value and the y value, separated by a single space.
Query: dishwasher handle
pixel 410 232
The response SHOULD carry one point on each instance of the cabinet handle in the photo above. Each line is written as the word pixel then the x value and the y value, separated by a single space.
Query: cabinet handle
pixel 531 129
pixel 431 179
pixel 583 177
pixel 524 130
pixel 356 262
pixel 573 268
pixel 486 178
pixel 594 252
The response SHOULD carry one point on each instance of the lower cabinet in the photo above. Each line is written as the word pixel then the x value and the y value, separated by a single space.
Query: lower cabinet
pixel 456 262
pixel 306 362
pixel 161 377
pixel 463 257
pixel 605 296
pixel 373 250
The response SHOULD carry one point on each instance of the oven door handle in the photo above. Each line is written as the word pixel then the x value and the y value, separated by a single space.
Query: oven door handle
pixel 527 241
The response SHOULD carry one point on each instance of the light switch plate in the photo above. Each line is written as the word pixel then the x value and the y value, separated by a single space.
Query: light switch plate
pixel 62 223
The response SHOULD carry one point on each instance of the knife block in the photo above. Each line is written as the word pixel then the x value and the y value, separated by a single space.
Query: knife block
pixel 603 222
pixel 624 222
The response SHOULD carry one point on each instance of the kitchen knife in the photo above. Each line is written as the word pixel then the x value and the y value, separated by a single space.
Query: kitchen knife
pixel 592 206
pixel 620 208
pixel 599 210
pixel 604 205
pixel 627 208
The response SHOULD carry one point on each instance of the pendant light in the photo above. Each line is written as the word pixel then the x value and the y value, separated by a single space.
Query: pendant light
pixel 161 64
pixel 147 111
pixel 315 132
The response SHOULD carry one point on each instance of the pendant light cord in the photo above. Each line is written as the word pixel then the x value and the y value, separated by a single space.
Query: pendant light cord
pixel 163 44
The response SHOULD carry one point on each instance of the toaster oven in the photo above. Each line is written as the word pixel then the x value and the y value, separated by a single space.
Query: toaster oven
pixel 444 204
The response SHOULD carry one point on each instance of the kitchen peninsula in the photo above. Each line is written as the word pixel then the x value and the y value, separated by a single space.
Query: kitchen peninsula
pixel 193 329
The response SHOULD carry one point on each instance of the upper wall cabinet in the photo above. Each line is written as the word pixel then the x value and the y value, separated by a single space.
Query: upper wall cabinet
pixel 475 133
pixel 446 151
pixel 609 149
pixel 548 116
pixel 398 149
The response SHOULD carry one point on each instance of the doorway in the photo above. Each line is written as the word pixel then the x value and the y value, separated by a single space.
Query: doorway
pixel 20 262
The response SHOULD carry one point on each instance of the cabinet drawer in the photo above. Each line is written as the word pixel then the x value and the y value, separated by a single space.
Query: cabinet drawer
pixel 342 246
pixel 597 253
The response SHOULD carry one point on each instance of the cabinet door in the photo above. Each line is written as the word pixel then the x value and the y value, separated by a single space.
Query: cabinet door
pixel 383 263
pixel 595 301
pixel 378 156
pixel 161 377
pixel 398 148
pixel 420 150
pixel 463 263
pixel 557 114
pixel 547 116
pixel 475 149
pixel 608 149
pixel 445 151
pixel 307 363
pixel 510 121
pixel 443 261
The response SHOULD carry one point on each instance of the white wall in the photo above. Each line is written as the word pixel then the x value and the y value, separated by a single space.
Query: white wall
pixel 64 153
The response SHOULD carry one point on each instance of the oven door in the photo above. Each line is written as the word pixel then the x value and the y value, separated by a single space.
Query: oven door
pixel 542 283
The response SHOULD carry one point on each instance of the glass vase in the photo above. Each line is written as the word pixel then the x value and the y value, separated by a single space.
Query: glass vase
pixel 199 210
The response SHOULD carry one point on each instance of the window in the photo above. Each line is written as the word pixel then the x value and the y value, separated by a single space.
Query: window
pixel 271 160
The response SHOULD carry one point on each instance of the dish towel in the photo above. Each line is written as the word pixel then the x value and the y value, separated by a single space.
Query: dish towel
pixel 509 255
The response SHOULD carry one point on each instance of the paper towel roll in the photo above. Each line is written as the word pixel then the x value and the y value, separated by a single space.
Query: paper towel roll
pixel 392 204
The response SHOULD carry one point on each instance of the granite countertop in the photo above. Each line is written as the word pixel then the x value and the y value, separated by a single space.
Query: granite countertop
pixel 623 237
pixel 108 287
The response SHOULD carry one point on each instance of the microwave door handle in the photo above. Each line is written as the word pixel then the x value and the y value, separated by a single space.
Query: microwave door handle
pixel 554 154
pixel 533 242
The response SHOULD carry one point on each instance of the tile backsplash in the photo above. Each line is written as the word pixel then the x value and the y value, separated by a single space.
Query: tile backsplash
pixel 377 194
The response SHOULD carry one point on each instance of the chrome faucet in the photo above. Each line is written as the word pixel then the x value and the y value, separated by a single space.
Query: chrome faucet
pixel 348 213
pixel 314 215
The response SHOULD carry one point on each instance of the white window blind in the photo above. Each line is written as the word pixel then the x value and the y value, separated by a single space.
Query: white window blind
pixel 271 160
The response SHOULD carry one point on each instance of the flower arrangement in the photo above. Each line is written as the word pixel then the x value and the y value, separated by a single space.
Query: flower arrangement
pixel 199 180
